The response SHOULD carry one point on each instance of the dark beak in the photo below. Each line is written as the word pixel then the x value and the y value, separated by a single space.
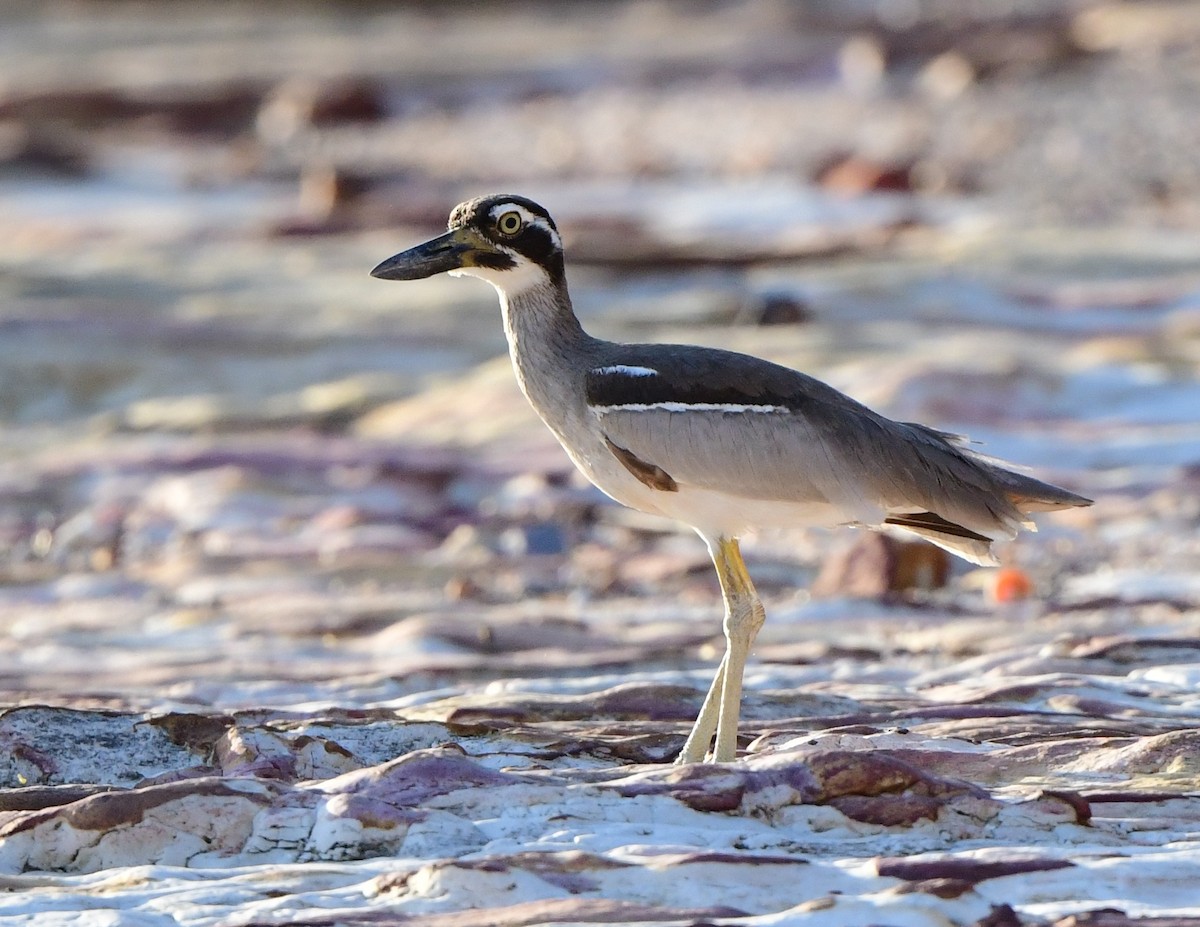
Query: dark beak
pixel 446 252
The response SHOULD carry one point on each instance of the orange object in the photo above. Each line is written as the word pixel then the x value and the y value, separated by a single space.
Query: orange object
pixel 1011 585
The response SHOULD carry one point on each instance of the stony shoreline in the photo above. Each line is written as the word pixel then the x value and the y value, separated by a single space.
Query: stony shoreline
pixel 307 619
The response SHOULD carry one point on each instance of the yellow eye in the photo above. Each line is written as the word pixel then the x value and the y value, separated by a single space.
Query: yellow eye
pixel 509 223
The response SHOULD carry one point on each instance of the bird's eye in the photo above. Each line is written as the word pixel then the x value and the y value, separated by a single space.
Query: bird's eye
pixel 509 223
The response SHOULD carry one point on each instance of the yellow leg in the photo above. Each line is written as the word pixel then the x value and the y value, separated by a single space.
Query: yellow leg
pixel 743 617
pixel 695 748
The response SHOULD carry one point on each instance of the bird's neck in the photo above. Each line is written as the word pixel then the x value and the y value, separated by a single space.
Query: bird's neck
pixel 547 344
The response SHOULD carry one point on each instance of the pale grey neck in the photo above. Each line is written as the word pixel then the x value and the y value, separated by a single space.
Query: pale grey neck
pixel 550 350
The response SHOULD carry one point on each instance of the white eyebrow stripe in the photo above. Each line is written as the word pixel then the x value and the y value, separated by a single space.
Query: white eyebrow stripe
pixel 527 218
pixel 689 407
pixel 626 370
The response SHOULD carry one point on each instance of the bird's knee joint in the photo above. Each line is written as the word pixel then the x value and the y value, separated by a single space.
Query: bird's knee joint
pixel 744 618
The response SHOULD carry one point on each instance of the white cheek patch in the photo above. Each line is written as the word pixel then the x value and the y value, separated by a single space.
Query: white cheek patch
pixel 524 276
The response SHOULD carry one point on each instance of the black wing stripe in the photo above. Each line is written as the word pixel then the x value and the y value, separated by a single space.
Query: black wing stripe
pixel 928 521
pixel 609 387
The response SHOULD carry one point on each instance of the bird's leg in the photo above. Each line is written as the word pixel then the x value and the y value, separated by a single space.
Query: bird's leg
pixel 743 617
pixel 696 746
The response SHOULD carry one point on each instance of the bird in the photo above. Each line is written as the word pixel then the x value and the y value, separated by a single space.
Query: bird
pixel 721 441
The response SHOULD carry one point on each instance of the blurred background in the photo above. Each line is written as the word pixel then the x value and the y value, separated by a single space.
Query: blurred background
pixel 222 442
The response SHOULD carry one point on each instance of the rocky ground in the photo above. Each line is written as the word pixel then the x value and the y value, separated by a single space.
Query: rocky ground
pixel 307 620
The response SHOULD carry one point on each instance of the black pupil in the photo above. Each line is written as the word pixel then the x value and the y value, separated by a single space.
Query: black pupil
pixel 509 223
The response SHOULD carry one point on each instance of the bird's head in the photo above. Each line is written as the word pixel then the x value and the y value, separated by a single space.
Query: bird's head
pixel 509 241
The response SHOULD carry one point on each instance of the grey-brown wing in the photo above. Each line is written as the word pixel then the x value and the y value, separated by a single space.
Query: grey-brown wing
pixel 749 428
pixel 863 470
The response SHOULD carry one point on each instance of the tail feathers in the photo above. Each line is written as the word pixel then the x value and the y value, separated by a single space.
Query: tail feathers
pixel 1023 493
pixel 1029 495
pixel 1066 500
pixel 963 542
pixel 928 521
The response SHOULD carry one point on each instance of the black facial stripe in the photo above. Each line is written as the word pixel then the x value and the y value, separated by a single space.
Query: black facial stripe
pixel 496 260
pixel 538 245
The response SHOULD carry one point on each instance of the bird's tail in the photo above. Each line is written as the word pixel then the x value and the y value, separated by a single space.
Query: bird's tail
pixel 968 544
pixel 1032 495
pixel 1024 494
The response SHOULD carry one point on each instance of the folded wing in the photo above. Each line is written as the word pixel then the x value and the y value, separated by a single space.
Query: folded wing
pixel 756 430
